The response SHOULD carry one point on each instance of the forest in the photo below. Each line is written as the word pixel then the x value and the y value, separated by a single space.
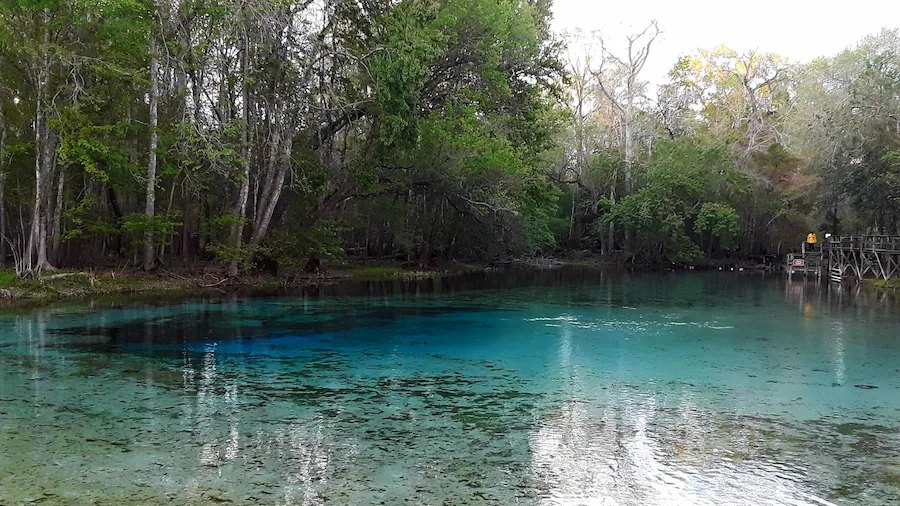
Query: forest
pixel 150 133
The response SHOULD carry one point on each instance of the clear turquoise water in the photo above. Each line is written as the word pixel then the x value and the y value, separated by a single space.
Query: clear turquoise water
pixel 567 387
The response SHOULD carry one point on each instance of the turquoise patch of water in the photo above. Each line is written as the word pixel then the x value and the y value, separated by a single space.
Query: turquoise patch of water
pixel 567 388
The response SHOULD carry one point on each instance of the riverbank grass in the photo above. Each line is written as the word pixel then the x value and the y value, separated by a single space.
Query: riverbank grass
pixel 891 284
pixel 61 284
pixel 65 284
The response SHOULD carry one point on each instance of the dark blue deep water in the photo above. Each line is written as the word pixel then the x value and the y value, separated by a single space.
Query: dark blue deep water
pixel 564 387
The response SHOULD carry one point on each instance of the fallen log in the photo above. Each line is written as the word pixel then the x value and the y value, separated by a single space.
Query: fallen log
pixel 60 276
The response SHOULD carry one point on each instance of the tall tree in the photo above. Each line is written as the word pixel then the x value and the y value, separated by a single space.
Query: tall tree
pixel 845 123
pixel 617 77
pixel 3 167
pixel 150 195
pixel 43 149
pixel 738 96
pixel 582 105
pixel 240 211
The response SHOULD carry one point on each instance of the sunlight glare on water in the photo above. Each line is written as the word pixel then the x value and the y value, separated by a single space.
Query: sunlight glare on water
pixel 567 387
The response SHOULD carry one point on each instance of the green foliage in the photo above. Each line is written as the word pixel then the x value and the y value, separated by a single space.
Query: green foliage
pixel 8 277
pixel 98 149
pixel 539 201
pixel 718 220
pixel 208 156
pixel 218 229
pixel 82 224
pixel 847 139
pixel 160 226
pixel 463 120
pixel 427 130
pixel 681 184
pixel 294 250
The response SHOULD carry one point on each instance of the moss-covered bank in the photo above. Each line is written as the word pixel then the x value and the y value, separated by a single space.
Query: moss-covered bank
pixel 185 281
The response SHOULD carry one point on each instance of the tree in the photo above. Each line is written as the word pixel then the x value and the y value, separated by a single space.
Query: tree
pixel 225 131
pixel 617 78
pixel 237 229
pixel 150 210
pixel 718 222
pixel 845 123
pixel 688 185
pixel 3 164
pixel 738 95
pixel 581 107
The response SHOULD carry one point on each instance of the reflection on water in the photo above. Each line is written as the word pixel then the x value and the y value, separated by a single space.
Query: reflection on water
pixel 563 387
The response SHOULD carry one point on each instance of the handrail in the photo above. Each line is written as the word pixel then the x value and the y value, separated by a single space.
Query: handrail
pixel 865 242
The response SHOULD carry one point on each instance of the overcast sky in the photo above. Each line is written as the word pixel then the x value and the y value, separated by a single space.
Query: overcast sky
pixel 798 29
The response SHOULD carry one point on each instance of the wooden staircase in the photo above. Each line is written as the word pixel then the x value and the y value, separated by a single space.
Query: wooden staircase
pixel 808 262
pixel 814 262
pixel 835 274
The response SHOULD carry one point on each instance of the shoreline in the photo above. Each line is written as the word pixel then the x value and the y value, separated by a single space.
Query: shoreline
pixel 179 282
pixel 175 283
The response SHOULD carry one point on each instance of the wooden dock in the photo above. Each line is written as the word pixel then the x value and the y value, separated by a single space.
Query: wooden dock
pixel 854 256
pixel 861 256
pixel 807 263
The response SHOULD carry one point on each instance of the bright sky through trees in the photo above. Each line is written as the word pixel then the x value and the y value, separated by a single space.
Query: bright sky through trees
pixel 798 29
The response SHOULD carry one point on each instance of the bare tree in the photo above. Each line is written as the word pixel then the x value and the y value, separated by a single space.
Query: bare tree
pixel 582 105
pixel 743 92
pixel 617 77
pixel 758 75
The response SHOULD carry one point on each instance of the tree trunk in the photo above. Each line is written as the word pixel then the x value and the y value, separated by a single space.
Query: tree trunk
pixel 186 220
pixel 611 241
pixel 240 211
pixel 37 240
pixel 57 214
pixel 272 166
pixel 276 170
pixel 202 221
pixel 113 200
pixel 629 148
pixel 38 137
pixel 162 247
pixel 43 195
pixel 753 123
pixel 265 216
pixel 572 218
pixel 834 218
pixel 149 256
pixel 629 137
pixel 579 138
pixel 2 188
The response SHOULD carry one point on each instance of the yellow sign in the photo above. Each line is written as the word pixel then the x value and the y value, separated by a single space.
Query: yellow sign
pixel 811 238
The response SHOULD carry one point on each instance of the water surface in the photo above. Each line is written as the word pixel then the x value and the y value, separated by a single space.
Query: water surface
pixel 568 387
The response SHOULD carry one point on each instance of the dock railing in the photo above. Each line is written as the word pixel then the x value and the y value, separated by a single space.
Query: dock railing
pixel 863 255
